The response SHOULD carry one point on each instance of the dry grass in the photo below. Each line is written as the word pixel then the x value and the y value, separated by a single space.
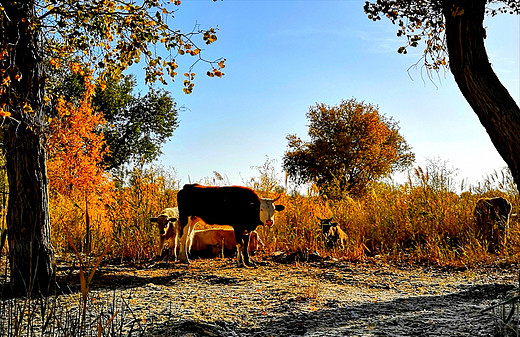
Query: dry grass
pixel 427 219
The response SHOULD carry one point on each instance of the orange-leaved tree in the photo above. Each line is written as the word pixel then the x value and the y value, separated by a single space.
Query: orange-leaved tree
pixel 36 35
pixel 350 146
pixel 79 187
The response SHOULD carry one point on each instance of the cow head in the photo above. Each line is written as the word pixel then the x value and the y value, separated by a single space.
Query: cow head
pixel 330 231
pixel 267 209
pixel 325 225
pixel 164 223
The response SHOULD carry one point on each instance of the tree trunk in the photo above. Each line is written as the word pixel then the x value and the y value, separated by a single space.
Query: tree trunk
pixel 31 257
pixel 30 251
pixel 469 63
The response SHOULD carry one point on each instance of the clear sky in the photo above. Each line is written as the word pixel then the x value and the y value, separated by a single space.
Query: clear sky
pixel 285 56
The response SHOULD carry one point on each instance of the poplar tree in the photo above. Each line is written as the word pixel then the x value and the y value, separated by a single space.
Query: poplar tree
pixel 453 35
pixel 37 36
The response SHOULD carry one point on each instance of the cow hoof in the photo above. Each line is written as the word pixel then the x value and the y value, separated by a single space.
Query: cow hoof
pixel 251 264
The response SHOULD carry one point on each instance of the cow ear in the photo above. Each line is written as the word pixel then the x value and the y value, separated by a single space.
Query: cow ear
pixel 153 219
pixel 279 208
pixel 335 224
pixel 172 219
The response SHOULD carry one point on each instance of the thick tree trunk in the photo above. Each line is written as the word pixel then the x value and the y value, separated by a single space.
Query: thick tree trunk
pixel 30 251
pixel 469 63
pixel 31 257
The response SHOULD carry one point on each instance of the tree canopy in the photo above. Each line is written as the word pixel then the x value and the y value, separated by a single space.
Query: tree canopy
pixel 423 20
pixel 350 145
pixel 136 126
pixel 453 35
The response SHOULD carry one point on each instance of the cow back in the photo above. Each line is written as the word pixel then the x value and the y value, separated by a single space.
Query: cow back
pixel 229 205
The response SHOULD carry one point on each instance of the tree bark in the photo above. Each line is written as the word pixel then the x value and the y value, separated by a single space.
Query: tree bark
pixel 469 63
pixel 31 258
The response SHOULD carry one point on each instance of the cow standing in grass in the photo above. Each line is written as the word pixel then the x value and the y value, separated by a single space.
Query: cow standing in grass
pixel 492 220
pixel 235 206
pixel 169 230
pixel 332 233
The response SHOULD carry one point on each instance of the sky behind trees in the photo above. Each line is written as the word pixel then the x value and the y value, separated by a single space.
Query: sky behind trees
pixel 284 56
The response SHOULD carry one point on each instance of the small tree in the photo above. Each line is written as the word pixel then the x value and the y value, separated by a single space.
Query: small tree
pixel 136 126
pixel 76 149
pixel 350 146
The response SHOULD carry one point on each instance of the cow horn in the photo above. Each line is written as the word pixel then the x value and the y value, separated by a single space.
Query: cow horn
pixel 278 197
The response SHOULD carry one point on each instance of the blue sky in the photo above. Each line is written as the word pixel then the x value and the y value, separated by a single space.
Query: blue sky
pixel 285 56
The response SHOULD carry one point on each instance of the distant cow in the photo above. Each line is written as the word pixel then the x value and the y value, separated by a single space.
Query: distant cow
pixel 169 230
pixel 492 220
pixel 332 233
pixel 219 241
pixel 235 206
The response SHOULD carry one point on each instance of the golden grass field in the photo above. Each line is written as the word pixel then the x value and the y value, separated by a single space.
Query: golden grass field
pixel 427 219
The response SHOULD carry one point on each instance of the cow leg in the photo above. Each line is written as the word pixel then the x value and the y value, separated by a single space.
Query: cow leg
pixel 160 248
pixel 189 241
pixel 246 258
pixel 186 235
pixel 239 238
pixel 176 242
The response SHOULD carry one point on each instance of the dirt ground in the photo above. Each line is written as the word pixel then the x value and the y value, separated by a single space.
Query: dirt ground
pixel 323 297
pixel 283 297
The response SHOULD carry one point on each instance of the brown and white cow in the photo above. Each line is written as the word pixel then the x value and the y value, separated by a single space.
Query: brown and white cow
pixel 235 206
pixel 169 230
pixel 492 220
pixel 332 233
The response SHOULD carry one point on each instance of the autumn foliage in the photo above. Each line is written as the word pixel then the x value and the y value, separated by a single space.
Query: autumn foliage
pixel 421 220
pixel 350 146
pixel 79 187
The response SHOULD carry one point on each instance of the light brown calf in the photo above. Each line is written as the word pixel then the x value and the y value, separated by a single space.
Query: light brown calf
pixel 169 230
pixel 220 241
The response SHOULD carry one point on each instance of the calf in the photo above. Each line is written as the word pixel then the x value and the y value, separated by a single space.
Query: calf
pixel 235 206
pixel 169 230
pixel 219 241
pixel 332 233
pixel 212 242
pixel 492 220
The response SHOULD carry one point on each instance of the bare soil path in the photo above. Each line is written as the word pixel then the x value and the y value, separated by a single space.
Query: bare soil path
pixel 320 298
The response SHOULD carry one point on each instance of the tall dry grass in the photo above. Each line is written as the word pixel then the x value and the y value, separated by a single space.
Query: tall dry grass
pixel 427 218
pixel 146 193
pixel 424 219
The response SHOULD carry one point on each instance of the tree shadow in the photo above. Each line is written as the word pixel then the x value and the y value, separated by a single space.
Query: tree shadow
pixel 455 314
